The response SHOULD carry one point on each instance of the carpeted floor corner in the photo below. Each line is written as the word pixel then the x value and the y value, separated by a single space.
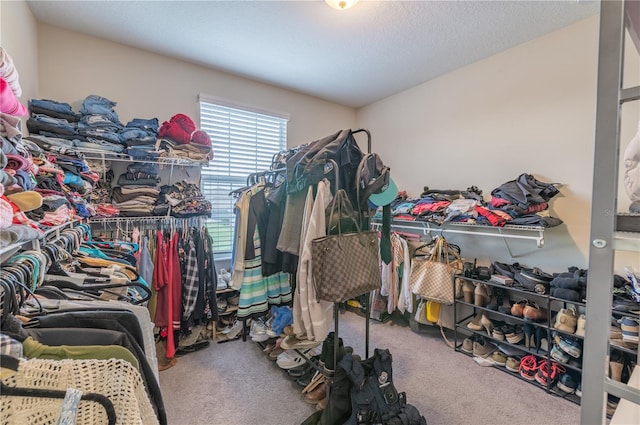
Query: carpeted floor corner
pixel 235 383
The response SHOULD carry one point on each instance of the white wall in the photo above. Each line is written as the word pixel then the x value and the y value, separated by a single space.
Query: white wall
pixel 528 109
pixel 146 85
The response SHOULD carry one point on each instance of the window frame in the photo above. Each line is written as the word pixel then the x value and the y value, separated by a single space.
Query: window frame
pixel 240 149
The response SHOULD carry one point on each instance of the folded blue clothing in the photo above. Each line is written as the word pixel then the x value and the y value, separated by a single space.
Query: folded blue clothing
pixel 38 122
pixel 53 109
pixel 98 145
pixel 100 133
pixel 98 121
pixel 143 152
pixel 128 134
pixel 151 124
pixel 124 181
pixel 94 104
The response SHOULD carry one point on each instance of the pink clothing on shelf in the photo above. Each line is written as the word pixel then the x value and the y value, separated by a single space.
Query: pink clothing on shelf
pixel 9 103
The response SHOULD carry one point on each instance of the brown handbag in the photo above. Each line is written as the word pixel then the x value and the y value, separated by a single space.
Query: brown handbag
pixel 433 277
pixel 345 265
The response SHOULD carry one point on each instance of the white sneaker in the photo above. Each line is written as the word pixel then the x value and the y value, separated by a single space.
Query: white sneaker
pixel 287 355
pixel 234 330
pixel 226 276
pixel 221 284
pixel 291 363
pixel 259 332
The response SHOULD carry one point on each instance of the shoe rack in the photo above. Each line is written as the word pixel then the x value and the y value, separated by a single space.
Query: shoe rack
pixel 227 313
pixel 619 21
pixel 539 336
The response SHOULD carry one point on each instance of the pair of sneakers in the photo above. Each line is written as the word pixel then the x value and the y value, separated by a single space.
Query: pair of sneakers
pixel 258 331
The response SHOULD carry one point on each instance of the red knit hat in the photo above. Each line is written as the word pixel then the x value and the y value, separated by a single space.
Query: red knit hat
pixel 200 137
pixel 174 132
pixel 185 122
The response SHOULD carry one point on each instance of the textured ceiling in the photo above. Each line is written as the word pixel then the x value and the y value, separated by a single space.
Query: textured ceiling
pixel 352 57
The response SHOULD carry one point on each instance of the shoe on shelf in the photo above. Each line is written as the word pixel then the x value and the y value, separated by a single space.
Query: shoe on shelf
pixel 234 331
pixel 498 358
pixel 475 324
pixel 558 355
pixel 630 328
pixel 482 348
pixel 487 324
pixel 467 345
pixel 291 342
pixel 528 367
pixel 517 308
pixel 222 306
pixel 258 332
pixel 305 379
pixel 579 390
pixel 566 320
pixel 567 383
pixel 317 394
pixel 513 364
pixel 581 325
pixel 529 332
pixel 547 375
pixel 275 353
pixel 221 284
pixel 616 364
pixel 515 335
pixel 498 333
pixel 298 371
pixel 532 312
pixel 571 346
pixel 291 362
pixel 482 295
pixel 467 291
pixel 542 340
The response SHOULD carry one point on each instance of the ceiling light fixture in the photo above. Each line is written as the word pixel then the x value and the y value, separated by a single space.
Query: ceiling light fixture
pixel 341 4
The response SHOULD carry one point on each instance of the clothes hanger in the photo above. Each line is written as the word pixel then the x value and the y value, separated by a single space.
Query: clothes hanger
pixel 57 394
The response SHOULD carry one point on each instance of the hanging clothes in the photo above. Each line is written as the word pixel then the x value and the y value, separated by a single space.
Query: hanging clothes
pixel 311 316
pixel 257 292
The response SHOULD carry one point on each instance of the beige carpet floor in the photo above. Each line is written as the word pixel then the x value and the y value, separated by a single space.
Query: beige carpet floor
pixel 235 383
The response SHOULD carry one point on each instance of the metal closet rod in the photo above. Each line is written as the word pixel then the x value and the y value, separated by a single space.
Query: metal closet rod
pixel 426 230
pixel 139 219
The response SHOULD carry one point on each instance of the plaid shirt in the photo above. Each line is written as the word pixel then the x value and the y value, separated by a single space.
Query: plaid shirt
pixel 190 280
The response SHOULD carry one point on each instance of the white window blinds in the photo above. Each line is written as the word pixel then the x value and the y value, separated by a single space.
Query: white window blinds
pixel 243 142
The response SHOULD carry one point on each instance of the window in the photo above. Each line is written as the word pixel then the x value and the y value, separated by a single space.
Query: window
pixel 244 141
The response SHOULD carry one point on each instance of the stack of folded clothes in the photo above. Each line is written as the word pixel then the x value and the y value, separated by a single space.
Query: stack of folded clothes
pixel 135 201
pixel 139 136
pixel 137 192
pixel 179 138
pixel 99 125
pixel 95 129
pixel 182 199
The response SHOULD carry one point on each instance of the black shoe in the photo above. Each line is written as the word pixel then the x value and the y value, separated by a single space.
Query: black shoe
pixel 299 371
pixel 330 362
pixel 326 345
pixel 305 379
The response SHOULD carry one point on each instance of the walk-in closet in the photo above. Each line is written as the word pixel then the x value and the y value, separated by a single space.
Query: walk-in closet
pixel 319 212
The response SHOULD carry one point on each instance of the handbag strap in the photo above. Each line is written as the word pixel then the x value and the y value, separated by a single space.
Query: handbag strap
pixel 343 198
